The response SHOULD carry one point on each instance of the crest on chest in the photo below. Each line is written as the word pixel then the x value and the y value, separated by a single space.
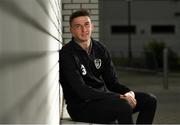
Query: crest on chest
pixel 97 63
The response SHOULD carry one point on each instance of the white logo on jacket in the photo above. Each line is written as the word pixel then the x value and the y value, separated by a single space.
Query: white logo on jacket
pixel 97 63
pixel 83 69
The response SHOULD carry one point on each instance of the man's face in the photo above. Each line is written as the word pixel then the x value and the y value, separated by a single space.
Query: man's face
pixel 81 28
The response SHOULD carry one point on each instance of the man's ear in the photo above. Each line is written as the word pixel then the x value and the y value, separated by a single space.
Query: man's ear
pixel 70 29
pixel 92 26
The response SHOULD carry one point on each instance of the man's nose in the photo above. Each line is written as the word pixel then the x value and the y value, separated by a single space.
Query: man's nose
pixel 83 28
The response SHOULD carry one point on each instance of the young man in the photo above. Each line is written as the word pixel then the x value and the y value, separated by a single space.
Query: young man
pixel 90 84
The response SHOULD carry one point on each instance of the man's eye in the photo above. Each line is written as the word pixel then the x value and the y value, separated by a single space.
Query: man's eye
pixel 87 25
pixel 77 26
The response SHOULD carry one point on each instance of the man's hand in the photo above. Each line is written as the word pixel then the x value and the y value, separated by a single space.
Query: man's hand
pixel 130 93
pixel 130 97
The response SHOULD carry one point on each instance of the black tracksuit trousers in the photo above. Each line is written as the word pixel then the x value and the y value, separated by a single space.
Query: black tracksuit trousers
pixel 108 110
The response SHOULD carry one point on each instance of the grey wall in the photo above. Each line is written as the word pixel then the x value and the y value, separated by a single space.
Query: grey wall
pixel 30 37
pixel 144 14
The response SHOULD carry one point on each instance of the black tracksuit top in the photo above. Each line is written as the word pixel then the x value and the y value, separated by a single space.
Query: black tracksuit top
pixel 88 77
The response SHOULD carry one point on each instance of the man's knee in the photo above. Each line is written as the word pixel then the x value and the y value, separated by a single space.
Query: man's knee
pixel 146 100
pixel 152 100
pixel 125 108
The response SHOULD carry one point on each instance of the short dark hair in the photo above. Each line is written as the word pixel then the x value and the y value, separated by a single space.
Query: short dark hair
pixel 78 13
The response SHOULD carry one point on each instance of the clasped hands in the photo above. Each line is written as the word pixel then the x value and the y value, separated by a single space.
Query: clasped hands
pixel 130 97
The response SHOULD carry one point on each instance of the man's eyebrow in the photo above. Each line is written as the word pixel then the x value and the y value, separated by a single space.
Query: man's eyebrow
pixel 80 24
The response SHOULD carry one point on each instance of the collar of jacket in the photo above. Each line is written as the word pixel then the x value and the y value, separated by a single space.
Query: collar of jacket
pixel 76 46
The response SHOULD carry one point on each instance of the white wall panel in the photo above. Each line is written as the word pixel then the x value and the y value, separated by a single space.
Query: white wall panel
pixel 30 37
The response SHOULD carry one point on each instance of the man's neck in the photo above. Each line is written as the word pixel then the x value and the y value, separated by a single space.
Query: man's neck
pixel 86 45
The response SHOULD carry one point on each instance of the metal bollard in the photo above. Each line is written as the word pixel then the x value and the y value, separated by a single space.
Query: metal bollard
pixel 165 68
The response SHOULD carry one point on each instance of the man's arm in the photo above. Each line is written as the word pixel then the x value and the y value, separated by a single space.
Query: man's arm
pixel 111 80
pixel 110 76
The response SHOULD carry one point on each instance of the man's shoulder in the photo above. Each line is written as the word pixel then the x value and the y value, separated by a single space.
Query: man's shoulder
pixel 66 50
pixel 99 45
pixel 66 47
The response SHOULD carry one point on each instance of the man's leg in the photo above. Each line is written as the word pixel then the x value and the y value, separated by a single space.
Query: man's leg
pixel 103 111
pixel 146 106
